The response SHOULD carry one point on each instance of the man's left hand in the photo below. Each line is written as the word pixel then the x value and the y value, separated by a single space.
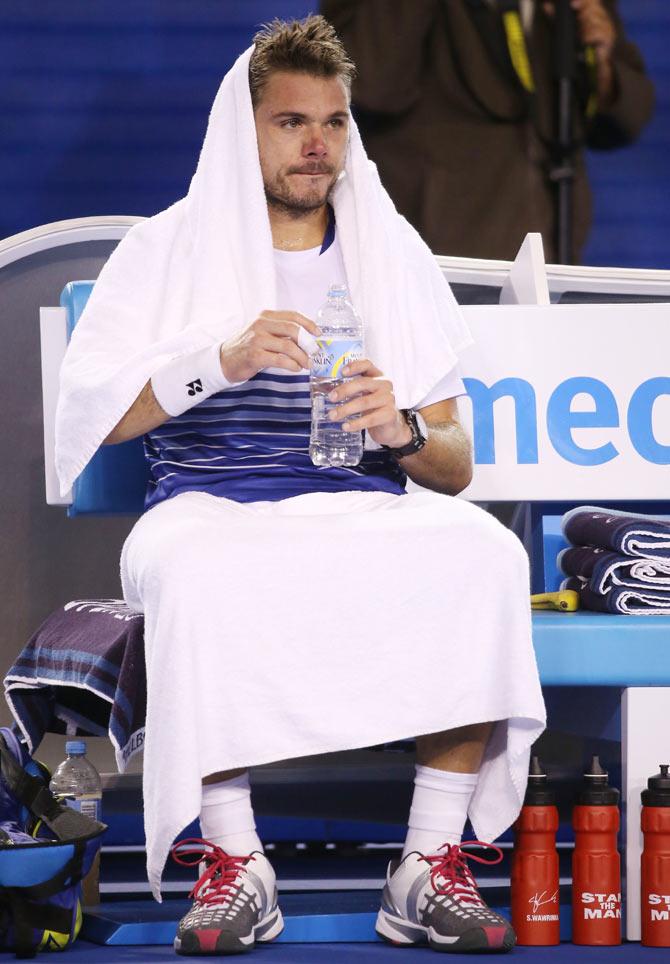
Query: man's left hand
pixel 374 407
pixel 596 28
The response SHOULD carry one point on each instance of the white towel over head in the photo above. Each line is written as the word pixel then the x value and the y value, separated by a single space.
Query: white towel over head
pixel 201 270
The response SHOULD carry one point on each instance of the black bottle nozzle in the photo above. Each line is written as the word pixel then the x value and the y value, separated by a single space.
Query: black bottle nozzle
pixel 595 771
pixel 596 790
pixel 657 793
pixel 538 793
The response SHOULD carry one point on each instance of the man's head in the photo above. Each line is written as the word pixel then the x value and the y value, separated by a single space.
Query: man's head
pixel 300 81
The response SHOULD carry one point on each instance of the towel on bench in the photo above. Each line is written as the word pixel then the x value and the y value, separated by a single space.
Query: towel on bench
pixel 619 561
pixel 623 532
pixel 83 673
pixel 603 569
pixel 619 599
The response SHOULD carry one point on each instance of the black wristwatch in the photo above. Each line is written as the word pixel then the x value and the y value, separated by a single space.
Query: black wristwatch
pixel 417 424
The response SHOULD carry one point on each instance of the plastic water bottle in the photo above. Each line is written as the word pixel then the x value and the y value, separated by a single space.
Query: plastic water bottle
pixel 535 879
pixel 341 341
pixel 596 865
pixel 655 862
pixel 77 783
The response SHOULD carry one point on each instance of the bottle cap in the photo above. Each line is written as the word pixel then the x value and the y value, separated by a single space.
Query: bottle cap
pixel 595 790
pixel 538 793
pixel 337 291
pixel 657 793
pixel 75 748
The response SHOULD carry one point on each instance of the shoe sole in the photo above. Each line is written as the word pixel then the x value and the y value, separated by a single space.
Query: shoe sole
pixel 401 933
pixel 228 943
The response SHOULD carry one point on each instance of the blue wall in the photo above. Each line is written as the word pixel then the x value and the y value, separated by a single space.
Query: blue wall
pixel 103 107
pixel 632 185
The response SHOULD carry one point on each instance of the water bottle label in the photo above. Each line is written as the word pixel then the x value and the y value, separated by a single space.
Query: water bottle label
pixel 659 907
pixel 541 909
pixel 600 906
pixel 332 354
pixel 90 806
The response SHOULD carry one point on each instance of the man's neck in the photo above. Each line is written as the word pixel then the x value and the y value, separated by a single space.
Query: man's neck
pixel 298 234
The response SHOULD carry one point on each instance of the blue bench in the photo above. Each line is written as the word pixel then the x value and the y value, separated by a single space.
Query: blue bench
pixel 604 675
pixel 587 648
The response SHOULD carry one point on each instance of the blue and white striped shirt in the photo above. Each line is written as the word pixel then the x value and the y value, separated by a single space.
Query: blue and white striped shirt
pixel 251 443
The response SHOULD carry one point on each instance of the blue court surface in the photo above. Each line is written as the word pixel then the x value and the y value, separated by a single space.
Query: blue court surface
pixel 86 953
pixel 319 927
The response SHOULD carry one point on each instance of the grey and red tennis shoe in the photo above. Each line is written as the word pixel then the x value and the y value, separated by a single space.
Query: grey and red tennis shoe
pixel 234 901
pixel 434 899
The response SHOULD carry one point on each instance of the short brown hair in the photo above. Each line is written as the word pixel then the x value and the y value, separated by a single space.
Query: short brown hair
pixel 308 46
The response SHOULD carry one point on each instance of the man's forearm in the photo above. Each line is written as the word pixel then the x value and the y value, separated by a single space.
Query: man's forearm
pixel 143 415
pixel 273 338
pixel 444 464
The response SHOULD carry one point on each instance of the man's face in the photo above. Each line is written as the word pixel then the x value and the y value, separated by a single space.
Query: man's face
pixel 302 126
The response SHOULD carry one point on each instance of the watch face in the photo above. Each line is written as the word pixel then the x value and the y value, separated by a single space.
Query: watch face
pixel 421 424
pixel 419 429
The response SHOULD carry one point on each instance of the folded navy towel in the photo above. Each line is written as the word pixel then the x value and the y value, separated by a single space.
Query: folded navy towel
pixel 83 673
pixel 605 570
pixel 622 532
pixel 619 599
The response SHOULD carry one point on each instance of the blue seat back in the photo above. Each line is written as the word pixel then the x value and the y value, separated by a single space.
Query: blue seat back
pixel 553 541
pixel 115 480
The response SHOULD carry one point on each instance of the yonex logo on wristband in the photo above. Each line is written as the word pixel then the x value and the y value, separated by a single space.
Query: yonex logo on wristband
pixel 194 387
pixel 176 389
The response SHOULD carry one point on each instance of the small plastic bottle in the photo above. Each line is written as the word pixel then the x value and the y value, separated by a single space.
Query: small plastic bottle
pixel 77 783
pixel 340 342
pixel 596 865
pixel 655 863
pixel 535 874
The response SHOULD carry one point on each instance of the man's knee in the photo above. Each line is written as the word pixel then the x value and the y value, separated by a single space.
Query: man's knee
pixel 487 538
pixel 178 551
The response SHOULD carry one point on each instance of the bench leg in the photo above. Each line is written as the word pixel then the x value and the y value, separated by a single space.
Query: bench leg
pixel 645 723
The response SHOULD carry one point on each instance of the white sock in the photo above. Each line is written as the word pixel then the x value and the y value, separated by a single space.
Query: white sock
pixel 439 809
pixel 226 817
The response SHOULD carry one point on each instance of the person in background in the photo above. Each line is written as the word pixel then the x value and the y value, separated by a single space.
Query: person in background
pixel 463 147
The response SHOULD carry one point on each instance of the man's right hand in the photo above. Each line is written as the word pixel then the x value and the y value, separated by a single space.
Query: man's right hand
pixel 269 342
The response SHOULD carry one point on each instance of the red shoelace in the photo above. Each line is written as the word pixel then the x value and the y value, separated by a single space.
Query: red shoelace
pixel 452 867
pixel 220 872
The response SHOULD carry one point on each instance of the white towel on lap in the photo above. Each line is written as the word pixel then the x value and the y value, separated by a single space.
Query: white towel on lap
pixel 203 269
pixel 325 622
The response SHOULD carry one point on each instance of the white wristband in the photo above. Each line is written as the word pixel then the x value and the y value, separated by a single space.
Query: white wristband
pixel 190 379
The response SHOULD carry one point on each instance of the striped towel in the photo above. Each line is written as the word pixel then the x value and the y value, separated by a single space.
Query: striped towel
pixel 83 674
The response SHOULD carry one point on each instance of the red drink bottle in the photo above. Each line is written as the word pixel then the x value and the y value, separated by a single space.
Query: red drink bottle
pixel 596 867
pixel 655 889
pixel 535 864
